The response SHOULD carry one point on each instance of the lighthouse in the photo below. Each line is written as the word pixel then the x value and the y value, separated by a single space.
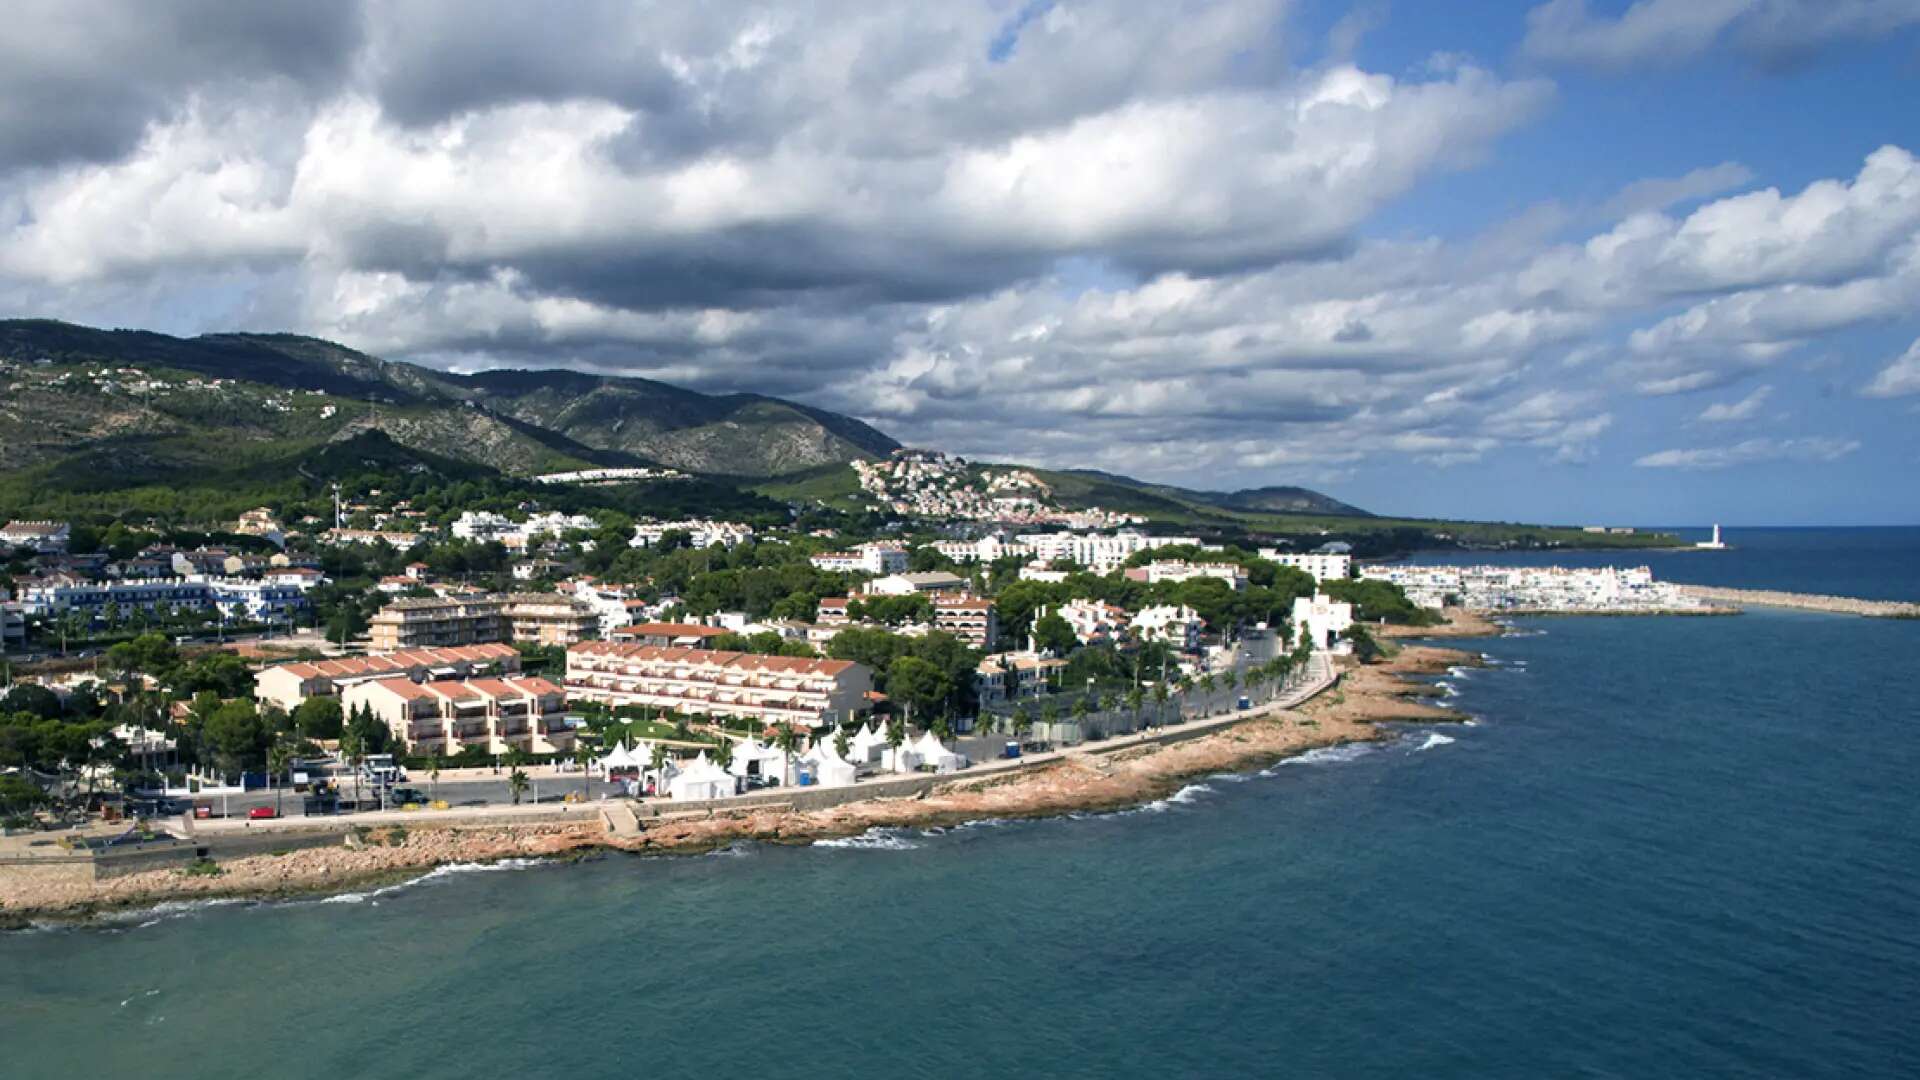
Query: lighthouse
pixel 1713 544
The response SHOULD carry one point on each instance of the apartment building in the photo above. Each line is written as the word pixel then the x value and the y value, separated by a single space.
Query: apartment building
pixel 1093 620
pixel 705 682
pixel 437 623
pixel 287 685
pixel 495 716
pixel 1176 571
pixel 13 626
pixel 1179 626
pixel 1323 566
pixel 701 533
pixel 550 619
pixel 446 622
pixel 668 635
pixel 933 581
pixel 232 597
pixel 1014 676
pixel 865 559
pixel 45 537
pixel 969 618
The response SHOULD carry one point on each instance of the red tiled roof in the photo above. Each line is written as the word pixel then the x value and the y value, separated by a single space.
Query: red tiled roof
pixel 668 630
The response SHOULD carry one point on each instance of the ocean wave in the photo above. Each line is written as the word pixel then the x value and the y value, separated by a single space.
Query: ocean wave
pixel 1434 739
pixel 438 873
pixel 1232 777
pixel 966 826
pixel 1325 755
pixel 1447 689
pixel 877 838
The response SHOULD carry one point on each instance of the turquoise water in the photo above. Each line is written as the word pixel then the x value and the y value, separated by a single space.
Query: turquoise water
pixel 1869 563
pixel 1668 848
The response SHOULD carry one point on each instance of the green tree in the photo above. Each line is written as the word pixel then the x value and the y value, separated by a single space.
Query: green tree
pixel 917 684
pixel 318 717
pixel 1054 634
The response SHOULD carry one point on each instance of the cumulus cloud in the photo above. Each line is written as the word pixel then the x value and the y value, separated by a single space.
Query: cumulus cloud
pixel 1813 449
pixel 1134 237
pixel 1900 378
pixel 1727 412
pixel 1770 33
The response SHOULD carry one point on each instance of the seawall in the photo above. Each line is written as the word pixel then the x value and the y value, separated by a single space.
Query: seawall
pixel 1837 605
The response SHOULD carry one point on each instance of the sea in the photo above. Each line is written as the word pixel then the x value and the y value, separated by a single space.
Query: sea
pixel 1663 848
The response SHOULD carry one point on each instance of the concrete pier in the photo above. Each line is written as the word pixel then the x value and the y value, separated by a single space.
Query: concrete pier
pixel 1837 605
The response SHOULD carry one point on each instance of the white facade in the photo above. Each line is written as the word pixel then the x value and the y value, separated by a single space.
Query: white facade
pixel 1552 588
pixel 865 559
pixel 45 537
pixel 701 533
pixel 1322 566
pixel 1322 619
pixel 1176 625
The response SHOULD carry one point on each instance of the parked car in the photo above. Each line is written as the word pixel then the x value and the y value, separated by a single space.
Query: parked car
pixel 260 812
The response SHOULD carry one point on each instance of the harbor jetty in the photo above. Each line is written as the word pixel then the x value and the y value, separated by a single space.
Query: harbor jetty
pixel 1838 605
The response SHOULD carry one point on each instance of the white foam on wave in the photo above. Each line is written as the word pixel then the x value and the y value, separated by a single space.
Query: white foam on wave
pixel 874 839
pixel 1232 777
pixel 1325 755
pixel 966 826
pixel 1434 739
pixel 438 873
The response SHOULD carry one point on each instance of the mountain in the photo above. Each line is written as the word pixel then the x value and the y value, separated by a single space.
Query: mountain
pixel 149 403
pixel 1089 487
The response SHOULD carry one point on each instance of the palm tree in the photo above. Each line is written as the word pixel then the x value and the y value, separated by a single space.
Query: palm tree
pixel 1080 710
pixel 1160 704
pixel 583 757
pixel 1022 723
pixel 1134 697
pixel 279 757
pixel 896 738
pixel 723 753
pixel 788 740
pixel 1049 712
pixel 516 775
pixel 433 774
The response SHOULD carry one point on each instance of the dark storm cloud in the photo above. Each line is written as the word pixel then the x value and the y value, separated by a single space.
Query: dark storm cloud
pixel 81 80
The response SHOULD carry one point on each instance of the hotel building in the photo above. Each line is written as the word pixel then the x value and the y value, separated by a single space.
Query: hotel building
pixel 711 683
pixel 496 716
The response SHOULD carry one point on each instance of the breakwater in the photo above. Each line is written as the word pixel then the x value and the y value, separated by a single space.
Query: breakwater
pixel 1838 605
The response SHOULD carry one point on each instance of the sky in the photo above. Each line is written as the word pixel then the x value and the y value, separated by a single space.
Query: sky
pixel 1572 260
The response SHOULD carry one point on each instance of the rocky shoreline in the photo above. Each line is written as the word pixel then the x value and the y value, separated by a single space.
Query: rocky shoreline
pixel 1357 709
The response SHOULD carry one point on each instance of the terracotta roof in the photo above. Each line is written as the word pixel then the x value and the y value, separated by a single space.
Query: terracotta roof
pixel 718 658
pixel 668 630
pixel 402 687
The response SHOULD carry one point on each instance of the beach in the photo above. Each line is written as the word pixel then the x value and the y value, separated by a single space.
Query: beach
pixel 1091 779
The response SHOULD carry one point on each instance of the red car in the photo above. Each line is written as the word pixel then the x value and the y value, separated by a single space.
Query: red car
pixel 260 812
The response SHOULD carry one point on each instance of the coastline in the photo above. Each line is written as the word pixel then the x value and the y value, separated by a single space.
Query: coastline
pixel 1359 707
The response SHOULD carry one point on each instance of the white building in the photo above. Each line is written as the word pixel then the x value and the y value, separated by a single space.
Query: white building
pixel 1177 571
pixel 932 581
pixel 1091 619
pixel 45 537
pixel 1322 619
pixel 1177 625
pixel 701 533
pixel 1322 565
pixel 873 558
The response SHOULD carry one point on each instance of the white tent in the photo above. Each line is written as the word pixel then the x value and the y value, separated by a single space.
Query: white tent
pixel 929 751
pixel 621 758
pixel 754 758
pixel 703 780
pixel 866 745
pixel 829 768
